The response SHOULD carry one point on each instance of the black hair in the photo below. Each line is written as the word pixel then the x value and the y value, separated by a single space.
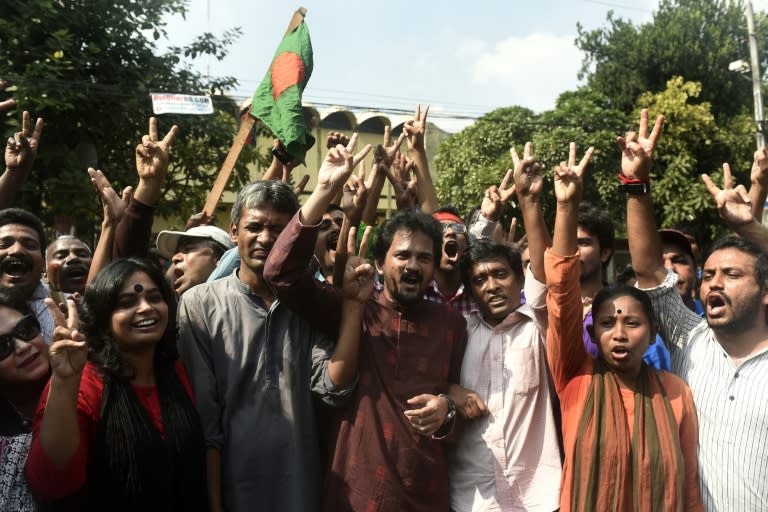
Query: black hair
pixel 275 193
pixel 697 234
pixel 617 290
pixel 13 301
pixel 334 208
pixel 412 220
pixel 99 303
pixel 625 275
pixel 25 218
pixel 483 250
pixel 597 223
pixel 748 247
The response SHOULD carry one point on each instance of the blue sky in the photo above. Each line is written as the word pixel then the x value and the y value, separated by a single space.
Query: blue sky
pixel 464 59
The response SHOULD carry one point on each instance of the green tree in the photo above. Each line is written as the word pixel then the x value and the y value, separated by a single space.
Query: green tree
pixel 692 144
pixel 587 118
pixel 470 161
pixel 695 39
pixel 87 67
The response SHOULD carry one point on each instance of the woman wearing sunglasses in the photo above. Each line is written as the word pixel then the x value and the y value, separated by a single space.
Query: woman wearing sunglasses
pixel 23 374
pixel 117 426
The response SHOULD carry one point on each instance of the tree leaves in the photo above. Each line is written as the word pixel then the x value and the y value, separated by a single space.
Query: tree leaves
pixel 87 67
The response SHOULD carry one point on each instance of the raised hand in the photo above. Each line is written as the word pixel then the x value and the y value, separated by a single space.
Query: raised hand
pixel 339 163
pixel 152 156
pixel 333 139
pixel 386 152
pixel 114 206
pixel 511 238
pixel 416 128
pixel 528 178
pixel 358 273
pixel 759 173
pixel 495 198
pixel 568 176
pixel 637 149
pixel 68 352
pixel 21 149
pixel 733 203
pixel 286 178
pixel 198 219
pixel 354 196
pixel 404 182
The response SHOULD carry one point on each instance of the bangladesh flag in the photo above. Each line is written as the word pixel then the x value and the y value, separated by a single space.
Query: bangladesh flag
pixel 277 101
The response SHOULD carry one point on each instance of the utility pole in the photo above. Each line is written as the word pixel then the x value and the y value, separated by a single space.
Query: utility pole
pixel 756 82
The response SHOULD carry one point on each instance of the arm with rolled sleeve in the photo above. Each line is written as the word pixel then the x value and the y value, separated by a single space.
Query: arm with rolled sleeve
pixel 286 271
pixel 195 352
pixel 134 230
pixel 676 321
pixel 322 384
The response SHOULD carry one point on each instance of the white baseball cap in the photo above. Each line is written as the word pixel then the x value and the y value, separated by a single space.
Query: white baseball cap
pixel 168 241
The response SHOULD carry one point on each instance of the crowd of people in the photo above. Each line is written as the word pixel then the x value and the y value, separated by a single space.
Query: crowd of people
pixel 272 366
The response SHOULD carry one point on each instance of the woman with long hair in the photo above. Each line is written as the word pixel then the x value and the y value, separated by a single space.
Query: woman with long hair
pixel 118 425
pixel 24 371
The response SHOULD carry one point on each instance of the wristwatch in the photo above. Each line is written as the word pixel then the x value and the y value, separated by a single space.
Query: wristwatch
pixel 451 407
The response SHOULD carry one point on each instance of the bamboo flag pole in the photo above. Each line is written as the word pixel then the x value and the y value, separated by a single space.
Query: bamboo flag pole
pixel 246 125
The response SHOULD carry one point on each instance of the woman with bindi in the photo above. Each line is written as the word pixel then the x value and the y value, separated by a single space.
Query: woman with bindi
pixel 629 430
pixel 117 426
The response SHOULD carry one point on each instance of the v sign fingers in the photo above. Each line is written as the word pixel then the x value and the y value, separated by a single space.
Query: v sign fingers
pixel 515 157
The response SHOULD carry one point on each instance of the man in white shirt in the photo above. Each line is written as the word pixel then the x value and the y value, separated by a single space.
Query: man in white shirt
pixel 508 457
pixel 724 357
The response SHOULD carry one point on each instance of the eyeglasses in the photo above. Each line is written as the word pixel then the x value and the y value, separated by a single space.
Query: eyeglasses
pixel 457 228
pixel 26 329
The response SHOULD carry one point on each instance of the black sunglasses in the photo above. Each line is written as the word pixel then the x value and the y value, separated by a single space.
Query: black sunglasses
pixel 457 228
pixel 26 329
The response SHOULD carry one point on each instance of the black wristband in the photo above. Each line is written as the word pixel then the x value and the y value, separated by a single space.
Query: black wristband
pixel 635 189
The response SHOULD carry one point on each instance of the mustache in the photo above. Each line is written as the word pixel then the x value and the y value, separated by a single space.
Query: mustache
pixel 21 259
pixel 410 276
pixel 77 267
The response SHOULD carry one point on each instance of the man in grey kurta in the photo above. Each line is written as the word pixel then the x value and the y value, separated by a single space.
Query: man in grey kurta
pixel 253 366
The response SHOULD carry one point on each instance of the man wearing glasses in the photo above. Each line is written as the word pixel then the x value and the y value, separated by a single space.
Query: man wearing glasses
pixel 446 287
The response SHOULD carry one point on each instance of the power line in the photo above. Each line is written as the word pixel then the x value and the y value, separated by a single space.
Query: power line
pixel 620 6
pixel 118 91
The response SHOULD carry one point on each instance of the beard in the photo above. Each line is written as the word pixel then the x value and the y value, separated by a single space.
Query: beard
pixel 408 300
pixel 742 318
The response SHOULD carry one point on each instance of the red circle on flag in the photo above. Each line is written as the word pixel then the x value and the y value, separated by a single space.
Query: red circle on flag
pixel 287 71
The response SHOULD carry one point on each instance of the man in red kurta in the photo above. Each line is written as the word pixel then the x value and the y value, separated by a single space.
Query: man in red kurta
pixel 388 453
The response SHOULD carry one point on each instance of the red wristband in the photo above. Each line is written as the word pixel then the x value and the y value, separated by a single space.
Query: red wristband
pixel 628 181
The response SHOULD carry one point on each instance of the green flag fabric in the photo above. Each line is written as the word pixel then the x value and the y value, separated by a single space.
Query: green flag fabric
pixel 277 101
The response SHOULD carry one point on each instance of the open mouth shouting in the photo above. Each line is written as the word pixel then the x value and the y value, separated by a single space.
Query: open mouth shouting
pixel 15 267
pixel 619 353
pixel 410 279
pixel 73 275
pixel 716 304
pixel 451 251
